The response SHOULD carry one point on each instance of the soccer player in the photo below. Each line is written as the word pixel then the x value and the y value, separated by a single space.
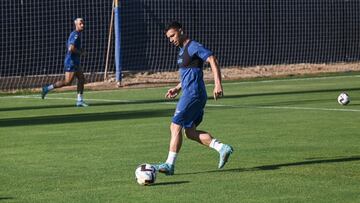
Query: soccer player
pixel 190 108
pixel 72 64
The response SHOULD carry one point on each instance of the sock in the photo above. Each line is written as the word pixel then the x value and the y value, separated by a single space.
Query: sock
pixel 171 158
pixel 79 97
pixel 215 144
pixel 50 87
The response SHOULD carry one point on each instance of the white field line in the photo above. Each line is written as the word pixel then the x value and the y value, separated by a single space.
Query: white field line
pixel 285 107
pixel 74 99
pixel 209 105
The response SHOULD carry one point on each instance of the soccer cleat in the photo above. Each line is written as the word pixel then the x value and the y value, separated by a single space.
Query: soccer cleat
pixel 166 168
pixel 225 152
pixel 81 104
pixel 44 91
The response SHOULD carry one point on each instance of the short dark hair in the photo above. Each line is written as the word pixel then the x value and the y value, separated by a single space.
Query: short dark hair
pixel 172 25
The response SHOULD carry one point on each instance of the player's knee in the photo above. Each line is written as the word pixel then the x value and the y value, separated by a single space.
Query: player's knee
pixel 172 129
pixel 175 129
pixel 189 134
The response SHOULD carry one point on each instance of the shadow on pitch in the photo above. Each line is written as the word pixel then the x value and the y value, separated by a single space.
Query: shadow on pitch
pixel 279 166
pixel 170 183
pixel 110 103
pixel 6 198
pixel 85 117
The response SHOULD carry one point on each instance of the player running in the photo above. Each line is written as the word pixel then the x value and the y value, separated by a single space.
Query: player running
pixel 72 64
pixel 190 108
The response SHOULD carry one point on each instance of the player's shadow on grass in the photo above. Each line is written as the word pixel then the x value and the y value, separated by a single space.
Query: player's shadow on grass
pixel 279 166
pixel 310 162
pixel 170 183
pixel 6 198
pixel 85 117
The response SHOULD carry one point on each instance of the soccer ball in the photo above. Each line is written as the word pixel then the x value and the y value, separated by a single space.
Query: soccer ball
pixel 145 174
pixel 343 98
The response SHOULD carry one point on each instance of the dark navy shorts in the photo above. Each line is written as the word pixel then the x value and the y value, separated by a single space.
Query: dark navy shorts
pixel 189 111
pixel 71 68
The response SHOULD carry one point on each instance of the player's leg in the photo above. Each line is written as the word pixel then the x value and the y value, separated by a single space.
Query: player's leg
pixel 180 116
pixel 206 139
pixel 176 138
pixel 69 77
pixel 80 88
pixel 199 136
pixel 175 145
pixel 184 111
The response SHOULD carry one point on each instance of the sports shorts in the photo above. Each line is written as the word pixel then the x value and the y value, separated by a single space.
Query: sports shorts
pixel 71 68
pixel 189 111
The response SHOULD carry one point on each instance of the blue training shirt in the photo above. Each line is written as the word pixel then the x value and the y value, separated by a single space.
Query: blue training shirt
pixel 190 61
pixel 73 59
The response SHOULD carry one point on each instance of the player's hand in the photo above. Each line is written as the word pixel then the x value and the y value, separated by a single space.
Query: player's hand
pixel 218 92
pixel 172 93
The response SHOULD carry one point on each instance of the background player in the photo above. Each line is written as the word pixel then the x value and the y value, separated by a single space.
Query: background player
pixel 72 64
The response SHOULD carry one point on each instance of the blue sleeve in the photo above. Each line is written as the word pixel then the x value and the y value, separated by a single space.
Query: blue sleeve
pixel 72 39
pixel 199 50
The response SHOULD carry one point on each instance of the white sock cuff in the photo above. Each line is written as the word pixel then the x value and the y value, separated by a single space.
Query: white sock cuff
pixel 171 158
pixel 215 144
pixel 79 97
pixel 212 143
pixel 172 153
pixel 50 87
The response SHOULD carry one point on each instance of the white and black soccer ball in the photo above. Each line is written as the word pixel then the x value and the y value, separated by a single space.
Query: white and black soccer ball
pixel 145 174
pixel 343 98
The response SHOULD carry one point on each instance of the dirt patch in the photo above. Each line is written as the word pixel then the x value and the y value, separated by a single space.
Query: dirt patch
pixel 288 70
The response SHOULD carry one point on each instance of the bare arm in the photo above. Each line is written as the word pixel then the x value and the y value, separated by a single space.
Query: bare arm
pixel 173 92
pixel 218 89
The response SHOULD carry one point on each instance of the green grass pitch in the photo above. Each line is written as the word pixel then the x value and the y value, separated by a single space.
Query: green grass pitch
pixel 293 143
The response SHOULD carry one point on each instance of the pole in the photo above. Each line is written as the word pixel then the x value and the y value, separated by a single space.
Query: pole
pixel 109 42
pixel 117 43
